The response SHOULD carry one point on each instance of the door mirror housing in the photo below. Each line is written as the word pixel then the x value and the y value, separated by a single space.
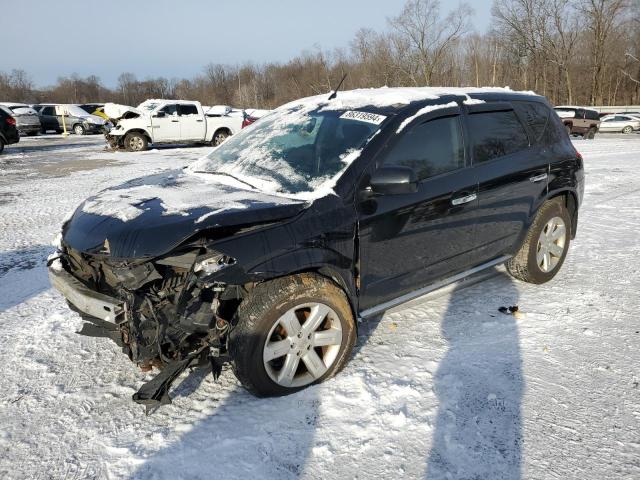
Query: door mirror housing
pixel 394 181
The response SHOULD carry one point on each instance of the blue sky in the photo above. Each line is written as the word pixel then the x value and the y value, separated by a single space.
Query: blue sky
pixel 176 38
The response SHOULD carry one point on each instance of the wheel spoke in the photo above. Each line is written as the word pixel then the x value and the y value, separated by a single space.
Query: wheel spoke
pixel 325 338
pixel 540 255
pixel 558 233
pixel 288 371
pixel 547 262
pixel 314 364
pixel 318 313
pixel 277 349
pixel 556 250
pixel 290 323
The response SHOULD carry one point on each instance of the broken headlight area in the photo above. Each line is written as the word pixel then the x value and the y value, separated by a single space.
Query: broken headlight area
pixel 173 315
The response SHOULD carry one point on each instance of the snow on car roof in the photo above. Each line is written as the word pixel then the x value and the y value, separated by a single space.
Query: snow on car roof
pixel 392 96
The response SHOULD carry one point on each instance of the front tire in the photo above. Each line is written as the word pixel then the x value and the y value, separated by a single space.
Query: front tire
pixel 136 142
pixel 546 244
pixel 591 134
pixel 628 129
pixel 79 130
pixel 290 333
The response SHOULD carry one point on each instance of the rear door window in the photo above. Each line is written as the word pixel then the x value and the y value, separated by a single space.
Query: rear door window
pixel 496 134
pixel 48 111
pixel 430 149
pixel 188 109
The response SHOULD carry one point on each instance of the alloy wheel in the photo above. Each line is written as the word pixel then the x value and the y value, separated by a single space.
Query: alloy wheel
pixel 302 345
pixel 551 244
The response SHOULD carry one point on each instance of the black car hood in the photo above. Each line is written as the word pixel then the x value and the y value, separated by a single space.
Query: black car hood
pixel 149 216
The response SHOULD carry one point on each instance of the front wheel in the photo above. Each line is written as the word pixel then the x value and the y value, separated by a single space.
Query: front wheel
pixel 79 130
pixel 290 333
pixel 136 142
pixel 590 135
pixel 628 129
pixel 545 246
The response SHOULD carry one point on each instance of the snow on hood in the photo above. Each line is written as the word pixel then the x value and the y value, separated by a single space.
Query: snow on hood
pixel 178 194
pixel 24 111
pixel 116 111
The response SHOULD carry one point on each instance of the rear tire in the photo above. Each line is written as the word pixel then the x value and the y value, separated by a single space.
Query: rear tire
pixel 219 137
pixel 136 142
pixel 1 145
pixel 590 135
pixel 263 346
pixel 568 129
pixel 546 245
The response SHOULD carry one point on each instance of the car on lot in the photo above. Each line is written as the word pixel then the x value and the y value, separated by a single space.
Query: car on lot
pixel 170 122
pixel 579 120
pixel 55 116
pixel 8 130
pixel 619 123
pixel 27 119
pixel 265 253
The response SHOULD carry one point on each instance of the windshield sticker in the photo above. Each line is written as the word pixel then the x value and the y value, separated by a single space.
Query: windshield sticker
pixel 363 117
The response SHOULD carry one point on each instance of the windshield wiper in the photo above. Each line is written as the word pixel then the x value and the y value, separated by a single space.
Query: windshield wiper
pixel 227 175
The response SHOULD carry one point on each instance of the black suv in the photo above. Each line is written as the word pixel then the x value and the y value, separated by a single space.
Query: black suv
pixel 265 253
pixel 8 128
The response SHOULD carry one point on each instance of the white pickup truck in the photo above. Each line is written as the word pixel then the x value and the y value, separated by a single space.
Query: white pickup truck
pixel 170 121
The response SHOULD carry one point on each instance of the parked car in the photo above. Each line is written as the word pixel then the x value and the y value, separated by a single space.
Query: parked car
pixel 170 121
pixel 75 118
pixel 27 119
pixel 620 123
pixel 8 129
pixel 264 253
pixel 579 121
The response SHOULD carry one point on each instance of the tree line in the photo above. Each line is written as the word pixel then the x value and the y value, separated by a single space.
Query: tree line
pixel 572 51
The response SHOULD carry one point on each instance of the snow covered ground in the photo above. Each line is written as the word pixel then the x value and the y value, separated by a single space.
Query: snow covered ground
pixel 443 388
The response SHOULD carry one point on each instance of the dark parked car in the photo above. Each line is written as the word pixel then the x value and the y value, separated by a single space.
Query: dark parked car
pixel 75 119
pixel 27 119
pixel 8 130
pixel 265 253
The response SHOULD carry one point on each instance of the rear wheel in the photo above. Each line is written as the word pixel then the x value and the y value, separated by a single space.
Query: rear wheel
pixel 219 137
pixel 627 129
pixel 1 145
pixel 290 333
pixel 136 142
pixel 568 128
pixel 591 134
pixel 545 246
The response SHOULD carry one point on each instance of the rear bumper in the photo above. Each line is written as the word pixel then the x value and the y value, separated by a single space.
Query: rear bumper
pixel 85 300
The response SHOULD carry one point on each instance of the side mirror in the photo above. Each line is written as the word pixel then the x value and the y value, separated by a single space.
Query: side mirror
pixel 159 114
pixel 394 181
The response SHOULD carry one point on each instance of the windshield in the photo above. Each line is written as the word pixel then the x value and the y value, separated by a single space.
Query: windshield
pixel 293 151
pixel 148 106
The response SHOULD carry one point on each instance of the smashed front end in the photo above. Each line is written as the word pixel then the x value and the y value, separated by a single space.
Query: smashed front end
pixel 163 312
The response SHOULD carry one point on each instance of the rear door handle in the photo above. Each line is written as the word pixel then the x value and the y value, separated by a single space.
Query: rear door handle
pixel 200 121
pixel 538 178
pixel 463 200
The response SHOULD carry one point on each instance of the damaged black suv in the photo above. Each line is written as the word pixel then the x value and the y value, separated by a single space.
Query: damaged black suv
pixel 265 253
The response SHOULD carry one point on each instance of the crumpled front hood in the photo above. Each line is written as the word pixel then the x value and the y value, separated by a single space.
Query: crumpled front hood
pixel 117 111
pixel 149 216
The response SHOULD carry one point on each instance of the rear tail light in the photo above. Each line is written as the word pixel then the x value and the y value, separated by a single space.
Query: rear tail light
pixel 11 121
pixel 578 155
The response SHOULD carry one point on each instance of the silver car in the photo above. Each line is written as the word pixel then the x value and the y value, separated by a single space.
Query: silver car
pixel 27 119
pixel 620 123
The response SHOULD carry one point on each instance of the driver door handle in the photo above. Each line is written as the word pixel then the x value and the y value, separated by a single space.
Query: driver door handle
pixel 462 200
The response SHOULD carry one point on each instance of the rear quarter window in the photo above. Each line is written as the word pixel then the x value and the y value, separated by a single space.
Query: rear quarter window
pixel 535 115
pixel 496 134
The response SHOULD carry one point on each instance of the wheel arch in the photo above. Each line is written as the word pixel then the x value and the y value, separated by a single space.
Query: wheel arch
pixel 136 130
pixel 570 200
pixel 218 130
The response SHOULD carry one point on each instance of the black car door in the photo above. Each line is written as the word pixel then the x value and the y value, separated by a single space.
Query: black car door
pixel 411 239
pixel 512 172
pixel 48 118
